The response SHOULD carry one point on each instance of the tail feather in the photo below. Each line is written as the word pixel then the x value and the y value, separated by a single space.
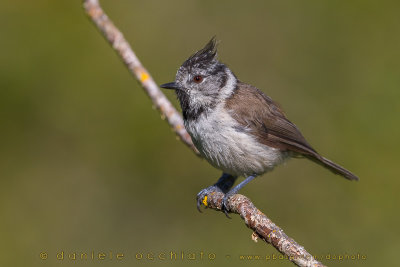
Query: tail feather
pixel 335 168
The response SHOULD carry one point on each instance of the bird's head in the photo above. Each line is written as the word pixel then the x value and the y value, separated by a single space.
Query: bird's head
pixel 202 80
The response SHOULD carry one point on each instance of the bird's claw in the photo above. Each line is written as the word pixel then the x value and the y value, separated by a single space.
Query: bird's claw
pixel 202 198
pixel 224 206
pixel 202 195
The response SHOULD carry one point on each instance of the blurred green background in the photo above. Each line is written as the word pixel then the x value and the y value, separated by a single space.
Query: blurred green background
pixel 87 165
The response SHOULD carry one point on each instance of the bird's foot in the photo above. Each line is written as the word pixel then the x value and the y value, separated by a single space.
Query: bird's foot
pixel 202 195
pixel 223 185
pixel 225 202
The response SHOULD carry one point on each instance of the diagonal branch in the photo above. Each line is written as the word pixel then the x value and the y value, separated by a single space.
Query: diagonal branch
pixel 124 50
pixel 254 218
pixel 263 228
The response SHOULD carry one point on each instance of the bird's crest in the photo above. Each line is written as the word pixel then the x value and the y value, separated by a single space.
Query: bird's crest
pixel 205 55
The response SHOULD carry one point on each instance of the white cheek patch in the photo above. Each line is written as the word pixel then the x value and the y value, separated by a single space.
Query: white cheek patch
pixel 198 98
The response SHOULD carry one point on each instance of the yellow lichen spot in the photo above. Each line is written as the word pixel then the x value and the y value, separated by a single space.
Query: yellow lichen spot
pixel 205 201
pixel 144 76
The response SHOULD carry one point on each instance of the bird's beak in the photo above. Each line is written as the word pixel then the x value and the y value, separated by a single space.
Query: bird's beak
pixel 172 85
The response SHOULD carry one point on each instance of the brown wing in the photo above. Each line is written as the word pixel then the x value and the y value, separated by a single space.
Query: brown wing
pixel 263 118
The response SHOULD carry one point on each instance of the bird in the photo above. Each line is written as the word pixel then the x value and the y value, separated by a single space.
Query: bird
pixel 235 126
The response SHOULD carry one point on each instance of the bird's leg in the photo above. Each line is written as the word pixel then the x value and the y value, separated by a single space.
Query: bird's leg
pixel 233 191
pixel 222 185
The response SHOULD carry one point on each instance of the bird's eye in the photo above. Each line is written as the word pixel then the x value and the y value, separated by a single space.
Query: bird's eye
pixel 197 79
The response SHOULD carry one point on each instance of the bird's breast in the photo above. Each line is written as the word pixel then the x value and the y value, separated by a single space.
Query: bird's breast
pixel 229 146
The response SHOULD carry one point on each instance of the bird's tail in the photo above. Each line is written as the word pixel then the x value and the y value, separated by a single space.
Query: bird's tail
pixel 335 168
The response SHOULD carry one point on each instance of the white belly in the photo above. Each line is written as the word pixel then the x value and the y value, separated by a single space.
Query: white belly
pixel 234 152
